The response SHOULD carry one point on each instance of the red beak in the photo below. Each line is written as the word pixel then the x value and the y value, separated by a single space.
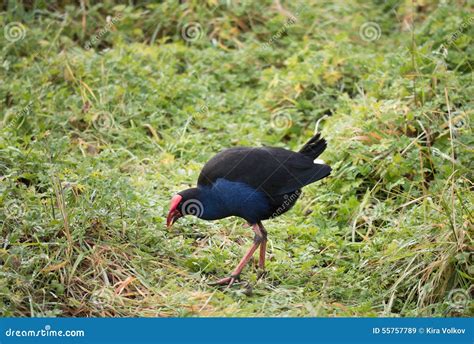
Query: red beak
pixel 174 213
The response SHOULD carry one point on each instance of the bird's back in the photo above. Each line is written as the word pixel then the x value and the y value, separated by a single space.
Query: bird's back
pixel 277 174
pixel 275 171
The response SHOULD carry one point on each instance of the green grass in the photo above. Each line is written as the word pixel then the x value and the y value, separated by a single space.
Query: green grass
pixel 94 142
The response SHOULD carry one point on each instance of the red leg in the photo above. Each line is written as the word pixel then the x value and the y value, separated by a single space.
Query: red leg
pixel 235 274
pixel 263 247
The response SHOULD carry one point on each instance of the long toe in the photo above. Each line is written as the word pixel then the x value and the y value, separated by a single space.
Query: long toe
pixel 262 274
pixel 227 281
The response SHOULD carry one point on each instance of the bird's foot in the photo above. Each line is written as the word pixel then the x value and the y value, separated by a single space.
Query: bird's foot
pixel 261 274
pixel 226 281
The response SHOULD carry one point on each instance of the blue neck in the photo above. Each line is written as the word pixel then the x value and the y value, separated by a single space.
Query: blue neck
pixel 213 206
pixel 226 198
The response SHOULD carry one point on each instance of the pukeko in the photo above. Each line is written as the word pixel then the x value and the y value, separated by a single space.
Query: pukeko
pixel 252 183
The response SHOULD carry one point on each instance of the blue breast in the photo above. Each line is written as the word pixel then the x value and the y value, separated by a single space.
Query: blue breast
pixel 226 198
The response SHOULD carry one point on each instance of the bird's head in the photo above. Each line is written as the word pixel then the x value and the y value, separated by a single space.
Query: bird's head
pixel 184 203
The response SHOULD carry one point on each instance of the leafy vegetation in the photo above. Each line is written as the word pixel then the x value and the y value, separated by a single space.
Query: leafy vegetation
pixel 108 110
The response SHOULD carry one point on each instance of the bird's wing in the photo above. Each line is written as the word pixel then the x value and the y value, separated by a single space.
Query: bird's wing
pixel 275 171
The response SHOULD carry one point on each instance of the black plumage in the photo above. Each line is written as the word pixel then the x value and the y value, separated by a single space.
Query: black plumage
pixel 278 173
pixel 252 183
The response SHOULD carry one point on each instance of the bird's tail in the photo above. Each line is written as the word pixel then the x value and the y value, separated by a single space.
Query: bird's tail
pixel 314 147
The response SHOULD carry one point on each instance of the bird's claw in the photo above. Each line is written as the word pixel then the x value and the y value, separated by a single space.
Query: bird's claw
pixel 226 281
pixel 261 274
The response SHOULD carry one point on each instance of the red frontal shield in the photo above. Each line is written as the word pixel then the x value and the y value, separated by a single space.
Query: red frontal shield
pixel 174 213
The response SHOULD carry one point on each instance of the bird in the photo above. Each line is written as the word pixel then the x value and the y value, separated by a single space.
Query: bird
pixel 253 183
